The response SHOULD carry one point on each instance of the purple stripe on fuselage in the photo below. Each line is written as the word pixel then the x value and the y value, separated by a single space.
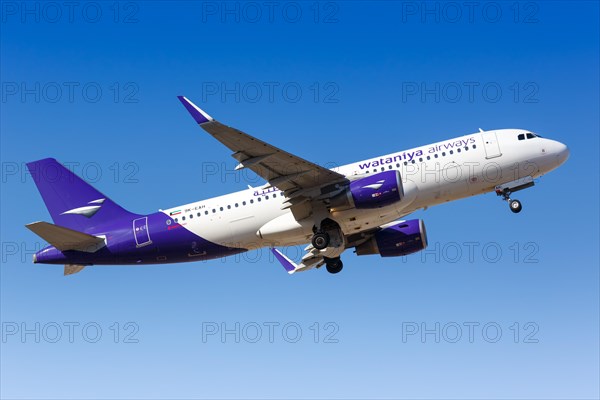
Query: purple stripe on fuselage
pixel 168 244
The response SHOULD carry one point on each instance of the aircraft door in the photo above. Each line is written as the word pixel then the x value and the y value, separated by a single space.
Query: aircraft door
pixel 491 145
pixel 140 231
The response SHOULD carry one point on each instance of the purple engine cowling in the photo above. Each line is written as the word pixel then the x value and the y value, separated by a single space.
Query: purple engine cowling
pixel 397 240
pixel 375 191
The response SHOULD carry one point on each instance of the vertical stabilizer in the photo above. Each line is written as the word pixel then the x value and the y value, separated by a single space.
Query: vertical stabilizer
pixel 72 202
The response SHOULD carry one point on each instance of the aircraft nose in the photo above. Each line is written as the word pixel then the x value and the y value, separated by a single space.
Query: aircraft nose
pixel 562 153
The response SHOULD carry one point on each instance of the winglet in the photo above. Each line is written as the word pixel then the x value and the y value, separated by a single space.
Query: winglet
pixel 199 116
pixel 288 264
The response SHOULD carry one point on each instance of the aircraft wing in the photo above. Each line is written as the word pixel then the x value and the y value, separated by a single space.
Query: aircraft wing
pixel 299 179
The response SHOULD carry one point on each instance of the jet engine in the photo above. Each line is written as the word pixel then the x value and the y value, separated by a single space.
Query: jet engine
pixel 396 240
pixel 375 191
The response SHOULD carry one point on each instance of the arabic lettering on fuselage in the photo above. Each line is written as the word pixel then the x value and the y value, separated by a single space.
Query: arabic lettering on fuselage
pixel 265 191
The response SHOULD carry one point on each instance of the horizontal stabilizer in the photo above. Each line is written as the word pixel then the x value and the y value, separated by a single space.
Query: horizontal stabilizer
pixel 66 239
pixel 71 269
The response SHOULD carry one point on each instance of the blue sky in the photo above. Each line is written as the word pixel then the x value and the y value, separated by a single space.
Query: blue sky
pixel 95 86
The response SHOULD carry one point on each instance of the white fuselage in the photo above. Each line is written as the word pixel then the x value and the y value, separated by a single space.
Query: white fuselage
pixel 432 174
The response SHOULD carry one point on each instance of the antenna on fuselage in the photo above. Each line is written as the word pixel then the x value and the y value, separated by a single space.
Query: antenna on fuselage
pixel 481 130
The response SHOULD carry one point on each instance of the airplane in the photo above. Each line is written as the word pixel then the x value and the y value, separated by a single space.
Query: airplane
pixel 362 205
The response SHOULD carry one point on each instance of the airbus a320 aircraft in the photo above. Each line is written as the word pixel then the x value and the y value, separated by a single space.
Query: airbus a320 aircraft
pixel 360 205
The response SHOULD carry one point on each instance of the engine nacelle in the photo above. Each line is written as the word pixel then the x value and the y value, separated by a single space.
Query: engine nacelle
pixel 397 240
pixel 375 191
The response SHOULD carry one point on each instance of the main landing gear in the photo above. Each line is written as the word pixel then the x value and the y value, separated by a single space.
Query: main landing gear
pixel 514 205
pixel 329 241
pixel 320 240
pixel 333 265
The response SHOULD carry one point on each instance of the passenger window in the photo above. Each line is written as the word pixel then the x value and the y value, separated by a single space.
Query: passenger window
pixel 259 199
pixel 220 208
pixel 474 146
pixel 243 203
pixel 458 150
pixel 229 207
pixel 199 214
pixel 251 201
pixel 451 152
pixel 191 216
pixel 176 220
pixel 206 212
pixel 183 218
pixel 274 195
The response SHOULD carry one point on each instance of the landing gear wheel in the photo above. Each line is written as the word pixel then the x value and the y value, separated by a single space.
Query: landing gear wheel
pixel 515 206
pixel 334 265
pixel 320 240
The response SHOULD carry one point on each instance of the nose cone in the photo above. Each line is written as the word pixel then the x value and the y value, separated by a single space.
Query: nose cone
pixel 562 153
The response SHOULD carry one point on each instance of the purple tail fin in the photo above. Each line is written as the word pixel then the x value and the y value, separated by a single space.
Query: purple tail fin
pixel 72 202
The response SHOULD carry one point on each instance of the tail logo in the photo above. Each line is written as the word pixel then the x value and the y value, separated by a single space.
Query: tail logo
pixel 87 211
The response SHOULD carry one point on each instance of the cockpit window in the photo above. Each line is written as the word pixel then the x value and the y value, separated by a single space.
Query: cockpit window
pixel 530 136
pixel 521 136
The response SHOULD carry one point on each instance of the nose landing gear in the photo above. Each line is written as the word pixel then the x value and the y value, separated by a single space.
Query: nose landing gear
pixel 514 205
pixel 507 189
